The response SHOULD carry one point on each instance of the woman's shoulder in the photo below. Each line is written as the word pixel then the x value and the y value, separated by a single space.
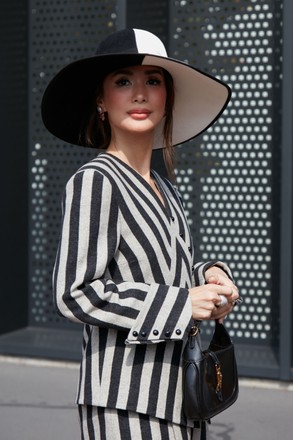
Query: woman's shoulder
pixel 98 170
pixel 99 165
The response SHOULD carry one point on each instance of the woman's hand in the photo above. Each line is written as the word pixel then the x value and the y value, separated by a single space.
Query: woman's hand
pixel 207 300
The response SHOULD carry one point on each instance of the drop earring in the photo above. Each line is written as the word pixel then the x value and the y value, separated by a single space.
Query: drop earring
pixel 101 113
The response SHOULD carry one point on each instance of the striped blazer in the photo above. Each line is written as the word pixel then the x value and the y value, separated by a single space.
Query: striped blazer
pixel 123 268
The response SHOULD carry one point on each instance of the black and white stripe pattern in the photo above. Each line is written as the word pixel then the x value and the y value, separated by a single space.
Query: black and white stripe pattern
pixel 123 268
pixel 110 424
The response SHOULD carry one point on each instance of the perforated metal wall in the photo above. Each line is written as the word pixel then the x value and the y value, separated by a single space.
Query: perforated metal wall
pixel 61 31
pixel 228 176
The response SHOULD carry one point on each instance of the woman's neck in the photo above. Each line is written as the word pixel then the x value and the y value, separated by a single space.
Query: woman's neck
pixel 135 153
pixel 138 156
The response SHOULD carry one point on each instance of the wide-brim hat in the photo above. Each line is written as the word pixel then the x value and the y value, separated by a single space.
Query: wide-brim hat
pixel 199 98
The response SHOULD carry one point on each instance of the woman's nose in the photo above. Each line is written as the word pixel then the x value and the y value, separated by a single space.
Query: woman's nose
pixel 139 94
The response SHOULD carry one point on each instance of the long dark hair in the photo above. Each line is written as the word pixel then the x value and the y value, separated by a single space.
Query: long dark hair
pixel 97 133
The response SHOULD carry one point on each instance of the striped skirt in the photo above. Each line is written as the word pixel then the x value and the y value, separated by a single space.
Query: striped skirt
pixel 110 424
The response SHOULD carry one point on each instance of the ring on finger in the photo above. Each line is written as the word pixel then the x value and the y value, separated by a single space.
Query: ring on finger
pixel 222 302
pixel 237 301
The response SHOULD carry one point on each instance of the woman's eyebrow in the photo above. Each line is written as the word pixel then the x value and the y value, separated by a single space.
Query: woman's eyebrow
pixel 130 72
pixel 122 72
pixel 154 72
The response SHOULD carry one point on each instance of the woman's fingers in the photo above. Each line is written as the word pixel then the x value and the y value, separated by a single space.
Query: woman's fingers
pixel 231 290
pixel 212 301
pixel 215 275
pixel 223 301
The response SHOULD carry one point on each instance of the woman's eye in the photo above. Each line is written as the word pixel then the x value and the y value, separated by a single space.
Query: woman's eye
pixel 122 82
pixel 154 81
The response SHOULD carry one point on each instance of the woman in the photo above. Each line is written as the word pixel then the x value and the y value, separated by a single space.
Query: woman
pixel 124 266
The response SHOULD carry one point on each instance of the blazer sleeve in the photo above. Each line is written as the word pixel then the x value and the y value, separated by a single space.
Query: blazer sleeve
pixel 84 292
pixel 200 269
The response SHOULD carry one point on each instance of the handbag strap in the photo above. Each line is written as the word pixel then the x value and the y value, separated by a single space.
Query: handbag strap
pixel 195 328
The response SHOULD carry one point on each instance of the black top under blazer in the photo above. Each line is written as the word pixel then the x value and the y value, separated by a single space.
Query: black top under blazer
pixel 123 268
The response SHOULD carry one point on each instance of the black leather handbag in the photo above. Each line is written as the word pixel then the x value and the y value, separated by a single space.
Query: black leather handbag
pixel 210 377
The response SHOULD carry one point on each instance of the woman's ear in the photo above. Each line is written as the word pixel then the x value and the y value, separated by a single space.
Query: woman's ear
pixel 100 103
pixel 100 108
pixel 100 112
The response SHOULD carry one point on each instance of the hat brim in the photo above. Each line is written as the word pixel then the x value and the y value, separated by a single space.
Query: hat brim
pixel 199 98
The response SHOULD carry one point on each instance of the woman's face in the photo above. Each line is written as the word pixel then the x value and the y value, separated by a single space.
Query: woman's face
pixel 135 99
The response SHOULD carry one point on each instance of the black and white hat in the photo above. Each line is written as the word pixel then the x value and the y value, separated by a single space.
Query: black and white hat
pixel 199 98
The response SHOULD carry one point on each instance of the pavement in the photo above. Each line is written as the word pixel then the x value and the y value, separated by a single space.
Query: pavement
pixel 37 403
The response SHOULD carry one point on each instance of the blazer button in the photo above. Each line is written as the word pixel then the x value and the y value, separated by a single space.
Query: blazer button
pixel 167 334
pixel 143 334
pixel 156 332
pixel 178 331
pixel 135 334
